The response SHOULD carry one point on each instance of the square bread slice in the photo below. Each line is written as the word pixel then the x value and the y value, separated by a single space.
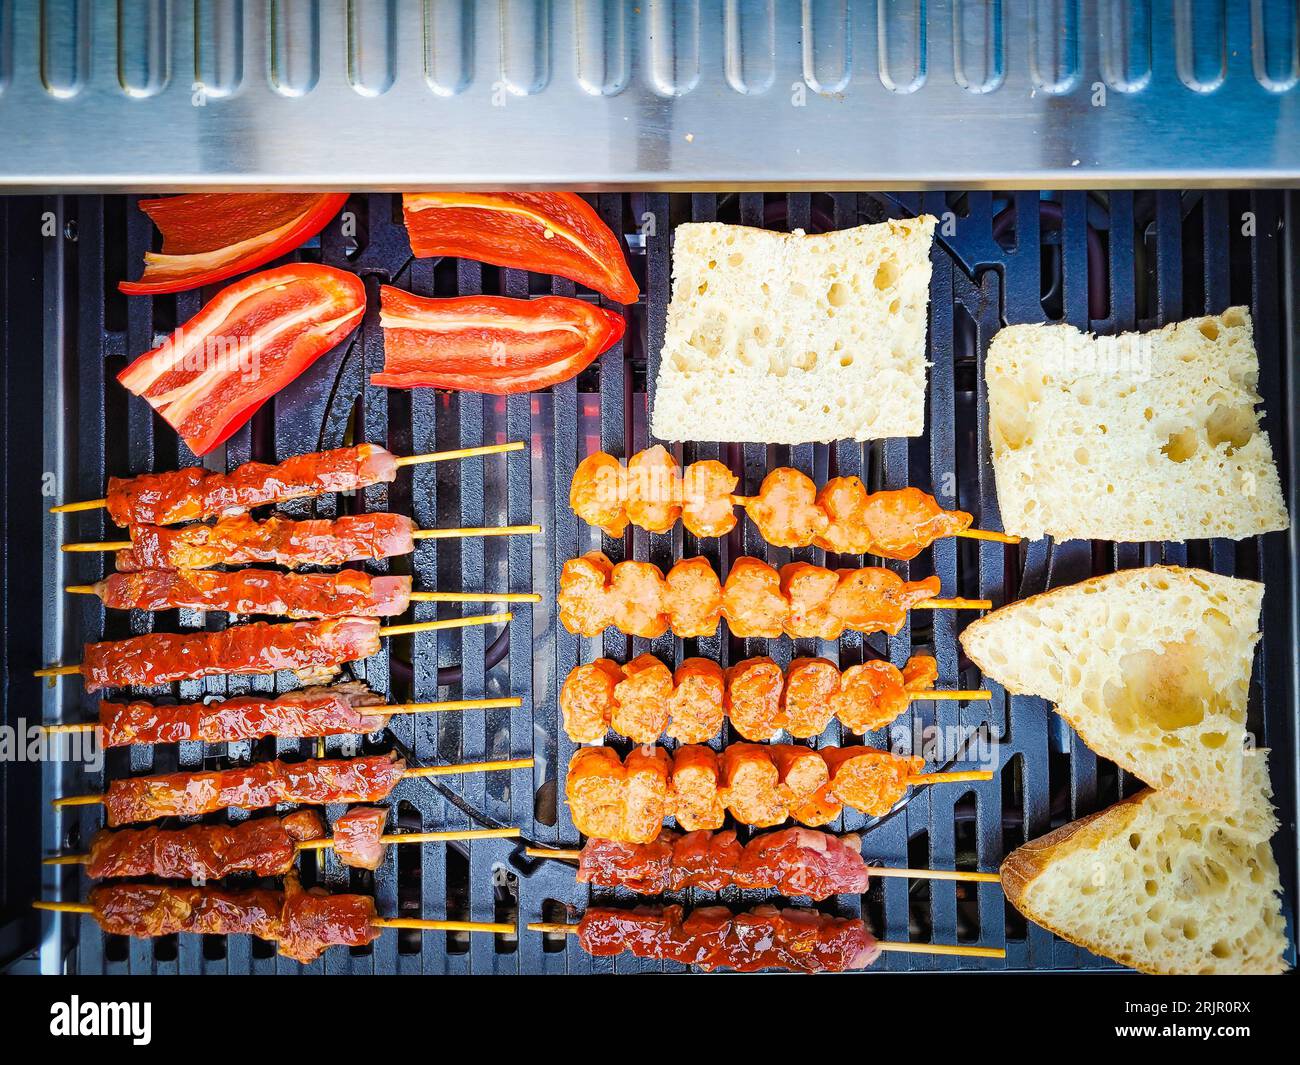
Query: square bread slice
pixel 1143 436
pixel 1162 886
pixel 1149 666
pixel 787 338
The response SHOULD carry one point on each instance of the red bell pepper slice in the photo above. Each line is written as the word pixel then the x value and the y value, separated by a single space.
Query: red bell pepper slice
pixel 546 232
pixel 489 344
pixel 210 376
pixel 209 237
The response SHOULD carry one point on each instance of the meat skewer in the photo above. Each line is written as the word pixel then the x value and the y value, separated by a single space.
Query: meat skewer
pixel 645 699
pixel 346 593
pixel 627 800
pixel 303 924
pixel 314 650
pixel 652 492
pixel 794 861
pixel 196 493
pixel 311 782
pixel 349 709
pixel 712 937
pixel 264 846
pixel 800 599
pixel 241 540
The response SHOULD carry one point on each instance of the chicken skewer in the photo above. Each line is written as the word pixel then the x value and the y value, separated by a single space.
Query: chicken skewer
pixel 794 862
pixel 196 493
pixel 345 593
pixel 628 800
pixel 302 924
pixel 348 709
pixel 241 540
pixel 800 599
pixel 314 650
pixel 652 492
pixel 264 846
pixel 644 699
pixel 712 937
pixel 311 782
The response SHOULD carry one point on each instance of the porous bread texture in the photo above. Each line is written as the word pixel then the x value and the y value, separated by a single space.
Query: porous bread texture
pixel 788 338
pixel 1142 436
pixel 1150 666
pixel 1160 885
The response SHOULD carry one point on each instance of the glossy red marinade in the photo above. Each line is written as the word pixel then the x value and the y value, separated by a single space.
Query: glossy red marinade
pixel 264 784
pixel 712 937
pixel 240 540
pixel 196 493
pixel 341 710
pixel 306 647
pixel 347 593
pixel 357 837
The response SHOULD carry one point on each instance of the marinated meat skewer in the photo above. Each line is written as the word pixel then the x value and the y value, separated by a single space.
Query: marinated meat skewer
pixel 302 923
pixel 794 862
pixel 347 593
pixel 196 493
pixel 264 846
pixel 627 800
pixel 241 540
pixel 349 709
pixel 712 937
pixel 645 699
pixel 652 492
pixel 314 650
pixel 800 599
pixel 311 782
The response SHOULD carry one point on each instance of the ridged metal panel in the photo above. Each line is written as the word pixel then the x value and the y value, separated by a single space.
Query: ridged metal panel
pixel 1110 263
pixel 656 93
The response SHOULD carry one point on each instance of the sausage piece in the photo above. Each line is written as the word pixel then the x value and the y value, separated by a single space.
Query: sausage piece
pixel 654 490
pixel 646 794
pixel 753 698
pixel 696 708
pixel 707 488
pixel 598 493
pixel 785 509
pixel 586 608
pixel 810 591
pixel 870 697
pixel 587 700
pixel 752 600
pixel 693 598
pixel 869 780
pixel 810 684
pixel 636 595
pixel 594 789
pixel 641 699
pixel 804 779
pixel 697 803
pixel 748 780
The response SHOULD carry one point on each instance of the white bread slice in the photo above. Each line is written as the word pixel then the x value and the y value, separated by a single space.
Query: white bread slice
pixel 1144 436
pixel 1162 886
pixel 1150 666
pixel 786 338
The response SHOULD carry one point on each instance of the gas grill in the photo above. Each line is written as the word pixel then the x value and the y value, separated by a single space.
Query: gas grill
pixel 1108 261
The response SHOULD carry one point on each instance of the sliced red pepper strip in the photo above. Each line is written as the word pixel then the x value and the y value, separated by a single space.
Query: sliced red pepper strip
pixel 489 344
pixel 208 237
pixel 546 232
pixel 210 376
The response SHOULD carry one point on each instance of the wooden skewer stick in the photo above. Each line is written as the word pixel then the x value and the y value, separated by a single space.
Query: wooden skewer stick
pixel 874 870
pixel 418 534
pixel 415 597
pixel 988 534
pixel 387 630
pixel 961 951
pixel 951 778
pixel 402 460
pixel 328 844
pixel 500 928
pixel 938 695
pixel 415 771
pixel 953 604
pixel 505 702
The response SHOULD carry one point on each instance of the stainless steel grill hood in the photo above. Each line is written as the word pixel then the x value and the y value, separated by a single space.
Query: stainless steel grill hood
pixel 384 94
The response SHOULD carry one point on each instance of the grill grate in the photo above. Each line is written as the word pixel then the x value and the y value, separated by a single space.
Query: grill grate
pixel 1111 262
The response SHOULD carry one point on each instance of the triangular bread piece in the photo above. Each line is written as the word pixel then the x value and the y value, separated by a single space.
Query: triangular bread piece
pixel 1150 666
pixel 787 338
pixel 1142 436
pixel 1160 885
